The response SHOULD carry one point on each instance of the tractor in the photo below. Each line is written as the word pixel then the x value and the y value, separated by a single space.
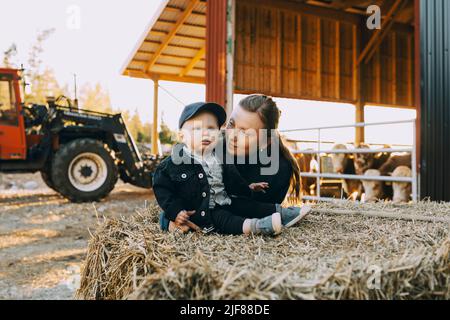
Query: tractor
pixel 79 153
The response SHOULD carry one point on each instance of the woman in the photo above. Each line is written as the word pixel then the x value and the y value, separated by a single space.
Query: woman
pixel 257 112
pixel 252 132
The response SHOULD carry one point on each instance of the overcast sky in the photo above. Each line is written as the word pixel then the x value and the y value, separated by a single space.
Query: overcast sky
pixel 108 32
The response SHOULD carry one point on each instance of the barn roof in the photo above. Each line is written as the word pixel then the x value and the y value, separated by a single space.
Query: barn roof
pixel 173 45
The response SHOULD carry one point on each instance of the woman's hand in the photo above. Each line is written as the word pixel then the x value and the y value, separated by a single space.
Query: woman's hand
pixel 259 186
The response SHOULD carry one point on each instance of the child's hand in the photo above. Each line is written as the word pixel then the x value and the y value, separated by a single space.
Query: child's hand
pixel 173 227
pixel 182 220
pixel 259 186
pixel 183 217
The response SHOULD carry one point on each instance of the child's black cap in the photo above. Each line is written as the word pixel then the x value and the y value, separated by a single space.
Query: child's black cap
pixel 195 108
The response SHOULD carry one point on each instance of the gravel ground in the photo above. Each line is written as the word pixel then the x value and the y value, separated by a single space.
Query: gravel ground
pixel 43 237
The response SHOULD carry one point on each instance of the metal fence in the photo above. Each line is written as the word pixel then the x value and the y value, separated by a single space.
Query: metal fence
pixel 319 151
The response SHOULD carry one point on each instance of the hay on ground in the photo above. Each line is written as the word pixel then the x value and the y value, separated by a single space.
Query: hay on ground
pixel 328 256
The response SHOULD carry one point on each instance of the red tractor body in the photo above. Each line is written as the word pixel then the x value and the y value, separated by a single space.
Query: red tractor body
pixel 13 142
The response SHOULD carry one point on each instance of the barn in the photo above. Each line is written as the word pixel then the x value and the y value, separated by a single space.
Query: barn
pixel 316 50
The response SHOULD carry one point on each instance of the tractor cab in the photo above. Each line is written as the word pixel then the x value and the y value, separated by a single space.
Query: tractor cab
pixel 12 131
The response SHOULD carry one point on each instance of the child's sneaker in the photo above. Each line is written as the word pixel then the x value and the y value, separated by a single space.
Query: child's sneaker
pixel 269 226
pixel 291 215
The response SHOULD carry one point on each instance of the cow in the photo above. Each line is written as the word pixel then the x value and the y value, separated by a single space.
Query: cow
pixel 306 165
pixel 343 164
pixel 366 161
pixel 395 166
pixel 394 162
pixel 402 190
pixel 375 190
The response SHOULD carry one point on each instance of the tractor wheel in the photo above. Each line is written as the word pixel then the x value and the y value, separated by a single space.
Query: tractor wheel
pixel 46 177
pixel 84 170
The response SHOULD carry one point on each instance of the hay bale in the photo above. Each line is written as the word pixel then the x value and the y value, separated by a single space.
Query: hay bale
pixel 329 256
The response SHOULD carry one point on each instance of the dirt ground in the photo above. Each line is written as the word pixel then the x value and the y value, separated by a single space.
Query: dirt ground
pixel 43 237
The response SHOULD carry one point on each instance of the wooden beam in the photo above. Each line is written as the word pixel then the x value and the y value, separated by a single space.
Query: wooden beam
pixel 176 66
pixel 170 8
pixel 170 45
pixel 299 54
pixel 135 73
pixel 380 39
pixel 216 51
pixel 394 68
pixel 181 20
pixel 359 117
pixel 344 4
pixel 409 70
pixel 143 63
pixel 387 105
pixel 279 52
pixel 358 88
pixel 166 55
pixel 291 96
pixel 305 9
pixel 155 137
pixel 338 61
pixel 379 34
pixel 310 98
pixel 357 11
pixel 200 54
pixel 181 36
pixel 176 78
pixel 386 30
pixel 378 75
pixel 230 56
pixel 168 23
pixel 356 91
pixel 319 58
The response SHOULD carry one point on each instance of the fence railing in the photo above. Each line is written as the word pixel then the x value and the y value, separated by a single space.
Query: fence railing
pixel 319 175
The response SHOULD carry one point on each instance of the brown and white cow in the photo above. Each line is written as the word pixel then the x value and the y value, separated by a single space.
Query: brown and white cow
pixel 366 161
pixel 396 166
pixel 402 190
pixel 375 190
pixel 394 162
pixel 343 164
pixel 306 165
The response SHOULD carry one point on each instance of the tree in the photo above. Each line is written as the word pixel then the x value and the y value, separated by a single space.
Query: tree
pixel 43 85
pixel 141 132
pixel 166 136
pixel 41 78
pixel 95 98
pixel 147 129
pixel 8 55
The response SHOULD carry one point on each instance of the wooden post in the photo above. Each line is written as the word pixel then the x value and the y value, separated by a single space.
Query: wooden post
pixel 216 51
pixel 394 68
pixel 299 54
pixel 231 13
pixel 319 58
pixel 358 88
pixel 155 137
pixel 338 61
pixel 359 117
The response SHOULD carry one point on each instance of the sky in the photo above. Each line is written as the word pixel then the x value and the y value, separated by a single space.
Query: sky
pixel 93 39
